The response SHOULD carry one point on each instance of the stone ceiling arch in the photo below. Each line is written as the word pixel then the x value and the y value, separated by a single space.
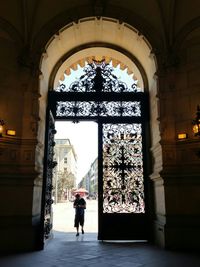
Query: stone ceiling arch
pixel 186 31
pixel 8 31
pixel 93 30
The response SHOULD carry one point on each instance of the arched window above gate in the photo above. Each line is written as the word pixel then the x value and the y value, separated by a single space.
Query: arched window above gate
pixel 98 92
pixel 100 76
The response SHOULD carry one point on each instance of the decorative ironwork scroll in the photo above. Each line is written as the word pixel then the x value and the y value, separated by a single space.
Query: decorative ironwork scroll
pixel 98 77
pixel 49 174
pixel 123 183
pixel 102 109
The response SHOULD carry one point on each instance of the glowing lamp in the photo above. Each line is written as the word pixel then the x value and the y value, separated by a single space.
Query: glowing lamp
pixel 182 136
pixel 196 123
pixel 11 132
pixel 1 127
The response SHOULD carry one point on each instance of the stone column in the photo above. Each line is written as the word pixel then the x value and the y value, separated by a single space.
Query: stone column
pixel 21 160
pixel 176 167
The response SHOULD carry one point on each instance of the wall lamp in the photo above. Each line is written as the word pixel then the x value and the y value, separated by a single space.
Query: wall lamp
pixel 196 127
pixel 196 123
pixel 10 132
pixel 1 127
pixel 182 136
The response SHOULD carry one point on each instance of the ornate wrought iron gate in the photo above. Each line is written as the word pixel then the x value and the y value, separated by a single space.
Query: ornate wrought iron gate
pixel 121 114
pixel 49 164
pixel 122 206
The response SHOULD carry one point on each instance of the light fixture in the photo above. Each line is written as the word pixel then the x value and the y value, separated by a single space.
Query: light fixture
pixel 11 132
pixel 182 136
pixel 1 127
pixel 196 123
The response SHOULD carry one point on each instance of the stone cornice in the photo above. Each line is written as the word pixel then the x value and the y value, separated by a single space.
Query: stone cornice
pixel 18 178
pixel 180 176
pixel 17 141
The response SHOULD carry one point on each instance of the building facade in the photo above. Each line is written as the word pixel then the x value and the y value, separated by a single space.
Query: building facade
pixel 65 156
pixel 65 172
pixel 90 180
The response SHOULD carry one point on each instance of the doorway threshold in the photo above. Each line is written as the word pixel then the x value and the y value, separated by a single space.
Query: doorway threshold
pixel 125 241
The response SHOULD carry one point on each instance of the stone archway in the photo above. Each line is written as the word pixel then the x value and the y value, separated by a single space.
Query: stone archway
pixel 106 37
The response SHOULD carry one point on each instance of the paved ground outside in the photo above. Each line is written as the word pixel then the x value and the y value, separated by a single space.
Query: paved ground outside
pixel 63 217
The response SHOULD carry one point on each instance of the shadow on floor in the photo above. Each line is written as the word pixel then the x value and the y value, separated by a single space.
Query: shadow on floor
pixel 67 250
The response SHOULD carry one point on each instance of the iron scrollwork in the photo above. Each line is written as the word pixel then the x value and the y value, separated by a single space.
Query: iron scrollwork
pixel 48 192
pixel 123 181
pixel 99 77
pixel 123 185
pixel 99 109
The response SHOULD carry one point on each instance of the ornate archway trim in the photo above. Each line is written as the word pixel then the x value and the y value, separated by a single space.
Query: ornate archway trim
pixel 100 31
pixel 100 51
pixel 134 63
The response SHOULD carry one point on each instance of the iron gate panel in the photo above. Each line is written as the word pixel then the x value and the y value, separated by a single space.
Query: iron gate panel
pixel 123 181
pixel 49 164
pixel 122 211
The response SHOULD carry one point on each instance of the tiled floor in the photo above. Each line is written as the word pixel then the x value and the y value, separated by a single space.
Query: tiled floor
pixel 65 249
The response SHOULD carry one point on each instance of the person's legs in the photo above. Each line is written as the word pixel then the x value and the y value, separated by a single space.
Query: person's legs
pixel 77 231
pixel 82 223
pixel 76 224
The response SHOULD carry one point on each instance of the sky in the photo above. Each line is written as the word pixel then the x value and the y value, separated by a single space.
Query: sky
pixel 84 137
pixel 75 74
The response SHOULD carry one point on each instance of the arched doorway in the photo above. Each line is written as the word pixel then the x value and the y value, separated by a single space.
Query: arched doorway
pixel 107 127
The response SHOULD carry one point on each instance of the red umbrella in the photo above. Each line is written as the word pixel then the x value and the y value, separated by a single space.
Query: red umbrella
pixel 81 191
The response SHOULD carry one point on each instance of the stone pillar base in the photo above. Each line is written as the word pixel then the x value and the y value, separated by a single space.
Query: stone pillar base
pixel 177 237
pixel 18 239
pixel 159 234
pixel 182 237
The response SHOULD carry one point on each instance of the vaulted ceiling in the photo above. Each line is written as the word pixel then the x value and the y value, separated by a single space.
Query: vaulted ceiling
pixel 165 23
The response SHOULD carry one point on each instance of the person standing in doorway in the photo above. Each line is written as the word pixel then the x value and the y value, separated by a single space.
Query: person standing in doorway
pixel 80 206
